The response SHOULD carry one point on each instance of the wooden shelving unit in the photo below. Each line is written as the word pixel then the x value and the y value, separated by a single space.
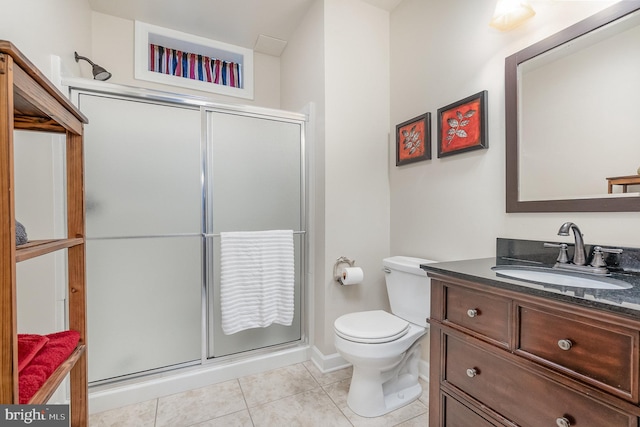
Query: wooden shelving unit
pixel 28 101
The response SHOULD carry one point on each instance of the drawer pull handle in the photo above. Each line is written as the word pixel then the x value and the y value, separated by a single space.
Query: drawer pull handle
pixel 563 422
pixel 472 312
pixel 565 344
pixel 471 372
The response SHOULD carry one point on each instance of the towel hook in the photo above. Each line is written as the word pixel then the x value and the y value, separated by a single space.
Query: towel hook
pixel 341 260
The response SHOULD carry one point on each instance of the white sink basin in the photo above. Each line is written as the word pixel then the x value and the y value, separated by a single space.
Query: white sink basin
pixel 547 276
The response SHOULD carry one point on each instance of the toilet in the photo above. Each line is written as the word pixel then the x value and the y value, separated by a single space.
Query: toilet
pixel 384 347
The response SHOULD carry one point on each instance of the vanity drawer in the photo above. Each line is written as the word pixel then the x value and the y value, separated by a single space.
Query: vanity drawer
pixel 458 415
pixel 596 352
pixel 520 395
pixel 479 312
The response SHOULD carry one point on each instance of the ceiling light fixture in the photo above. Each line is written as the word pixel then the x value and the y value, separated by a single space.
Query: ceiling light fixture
pixel 511 13
pixel 99 73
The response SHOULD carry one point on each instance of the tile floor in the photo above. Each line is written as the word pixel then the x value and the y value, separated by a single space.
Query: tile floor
pixel 296 395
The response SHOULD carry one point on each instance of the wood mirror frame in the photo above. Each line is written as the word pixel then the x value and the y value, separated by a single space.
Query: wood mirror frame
pixel 513 203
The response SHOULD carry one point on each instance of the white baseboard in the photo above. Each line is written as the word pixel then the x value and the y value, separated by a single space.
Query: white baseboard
pixel 333 362
pixel 329 363
pixel 105 397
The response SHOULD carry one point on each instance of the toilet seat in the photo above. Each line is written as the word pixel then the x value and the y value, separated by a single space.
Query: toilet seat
pixel 371 327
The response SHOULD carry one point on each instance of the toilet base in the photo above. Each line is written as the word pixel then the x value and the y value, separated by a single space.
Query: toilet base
pixel 370 409
pixel 373 393
pixel 404 397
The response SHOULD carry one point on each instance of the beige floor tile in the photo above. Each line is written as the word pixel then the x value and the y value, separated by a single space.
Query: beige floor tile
pixel 393 418
pixel 194 406
pixel 237 419
pixel 297 395
pixel 309 409
pixel 330 377
pixel 276 384
pixel 138 415
pixel 338 393
pixel 419 421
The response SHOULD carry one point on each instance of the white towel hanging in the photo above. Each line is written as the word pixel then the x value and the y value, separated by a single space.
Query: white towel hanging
pixel 256 279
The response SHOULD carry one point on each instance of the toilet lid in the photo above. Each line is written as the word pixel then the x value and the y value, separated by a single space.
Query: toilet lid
pixel 372 327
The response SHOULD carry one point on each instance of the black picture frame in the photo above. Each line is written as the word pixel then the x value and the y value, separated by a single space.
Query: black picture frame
pixel 462 125
pixel 413 140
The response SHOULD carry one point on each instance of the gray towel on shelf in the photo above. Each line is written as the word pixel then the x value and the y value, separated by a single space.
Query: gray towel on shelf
pixel 21 234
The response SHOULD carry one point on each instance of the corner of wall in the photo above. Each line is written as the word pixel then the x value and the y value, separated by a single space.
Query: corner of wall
pixel 327 363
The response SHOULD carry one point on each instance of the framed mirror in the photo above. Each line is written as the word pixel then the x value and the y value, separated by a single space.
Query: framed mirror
pixel 572 135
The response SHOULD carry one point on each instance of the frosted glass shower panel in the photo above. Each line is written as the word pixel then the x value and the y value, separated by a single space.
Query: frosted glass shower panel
pixel 251 339
pixel 144 299
pixel 143 174
pixel 255 173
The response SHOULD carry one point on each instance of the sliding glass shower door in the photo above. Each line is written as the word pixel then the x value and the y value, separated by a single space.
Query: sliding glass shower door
pixel 255 180
pixel 164 177
pixel 144 235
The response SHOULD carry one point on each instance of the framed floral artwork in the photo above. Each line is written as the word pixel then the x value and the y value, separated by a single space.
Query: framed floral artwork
pixel 413 140
pixel 462 126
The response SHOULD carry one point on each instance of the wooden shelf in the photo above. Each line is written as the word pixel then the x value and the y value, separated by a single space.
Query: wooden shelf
pixel 56 378
pixel 28 101
pixel 37 248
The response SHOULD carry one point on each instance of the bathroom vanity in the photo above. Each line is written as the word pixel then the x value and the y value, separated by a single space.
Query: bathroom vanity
pixel 506 352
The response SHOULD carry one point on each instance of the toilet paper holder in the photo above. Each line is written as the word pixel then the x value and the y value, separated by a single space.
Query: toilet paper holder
pixel 339 261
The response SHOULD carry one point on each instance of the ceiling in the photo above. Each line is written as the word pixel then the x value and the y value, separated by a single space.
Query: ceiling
pixel 238 22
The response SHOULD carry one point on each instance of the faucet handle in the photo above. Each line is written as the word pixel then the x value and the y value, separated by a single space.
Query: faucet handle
pixel 608 250
pixel 563 256
pixel 598 255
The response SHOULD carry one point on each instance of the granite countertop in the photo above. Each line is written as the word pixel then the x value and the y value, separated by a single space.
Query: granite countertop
pixel 623 301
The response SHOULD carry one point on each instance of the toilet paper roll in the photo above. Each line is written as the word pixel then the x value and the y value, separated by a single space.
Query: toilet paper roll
pixel 351 275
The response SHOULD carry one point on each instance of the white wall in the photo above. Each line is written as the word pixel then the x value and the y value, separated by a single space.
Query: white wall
pixel 302 82
pixel 454 208
pixel 356 143
pixel 47 33
pixel 44 28
pixel 39 30
pixel 113 48
pixel 339 59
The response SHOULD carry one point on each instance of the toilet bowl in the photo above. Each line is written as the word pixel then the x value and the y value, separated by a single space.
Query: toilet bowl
pixel 384 348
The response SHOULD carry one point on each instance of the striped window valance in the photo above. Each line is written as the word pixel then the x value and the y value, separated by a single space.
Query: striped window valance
pixel 194 66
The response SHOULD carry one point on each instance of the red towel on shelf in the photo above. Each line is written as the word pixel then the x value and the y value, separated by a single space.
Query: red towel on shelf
pixel 28 346
pixel 57 349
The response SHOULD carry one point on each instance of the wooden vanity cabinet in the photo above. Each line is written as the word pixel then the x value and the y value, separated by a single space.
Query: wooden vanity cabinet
pixel 505 358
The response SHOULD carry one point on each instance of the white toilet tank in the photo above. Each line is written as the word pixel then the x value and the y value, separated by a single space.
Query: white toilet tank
pixel 409 288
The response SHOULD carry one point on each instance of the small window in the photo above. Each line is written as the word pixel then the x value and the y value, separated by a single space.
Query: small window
pixel 180 59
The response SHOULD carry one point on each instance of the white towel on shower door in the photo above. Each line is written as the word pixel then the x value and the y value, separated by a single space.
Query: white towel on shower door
pixel 256 279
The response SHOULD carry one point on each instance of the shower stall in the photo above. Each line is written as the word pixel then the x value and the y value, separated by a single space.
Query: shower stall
pixel 165 175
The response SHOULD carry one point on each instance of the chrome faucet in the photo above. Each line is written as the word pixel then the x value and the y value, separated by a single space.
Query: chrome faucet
pixel 579 254
pixel 579 263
